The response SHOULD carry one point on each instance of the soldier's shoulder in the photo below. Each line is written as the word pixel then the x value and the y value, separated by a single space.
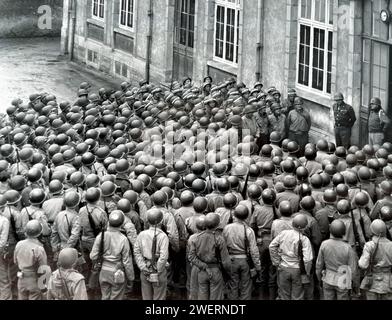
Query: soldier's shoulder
pixel 75 276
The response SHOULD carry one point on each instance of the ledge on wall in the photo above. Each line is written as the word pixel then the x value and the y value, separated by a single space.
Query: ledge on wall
pixel 223 66
pixel 320 99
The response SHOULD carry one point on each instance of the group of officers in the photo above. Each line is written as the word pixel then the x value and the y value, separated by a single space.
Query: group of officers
pixel 214 191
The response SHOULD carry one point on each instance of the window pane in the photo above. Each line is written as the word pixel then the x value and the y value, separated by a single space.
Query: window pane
pixel 230 34
pixel 304 55
pixel 219 31
pixel 95 7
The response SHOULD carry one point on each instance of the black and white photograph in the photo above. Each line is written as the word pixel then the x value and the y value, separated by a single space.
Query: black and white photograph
pixel 195 156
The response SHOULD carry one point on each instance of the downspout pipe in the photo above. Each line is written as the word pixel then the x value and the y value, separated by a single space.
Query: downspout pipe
pixel 260 38
pixel 72 30
pixel 149 40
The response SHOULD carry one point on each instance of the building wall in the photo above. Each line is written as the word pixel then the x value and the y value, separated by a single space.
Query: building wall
pixel 19 18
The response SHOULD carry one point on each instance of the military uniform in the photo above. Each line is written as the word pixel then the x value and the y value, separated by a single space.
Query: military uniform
pixel 344 117
pixel 66 230
pixel 29 256
pixel 377 124
pixel 66 284
pixel 298 124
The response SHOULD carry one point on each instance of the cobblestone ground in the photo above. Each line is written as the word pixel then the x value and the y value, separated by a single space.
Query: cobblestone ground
pixel 34 65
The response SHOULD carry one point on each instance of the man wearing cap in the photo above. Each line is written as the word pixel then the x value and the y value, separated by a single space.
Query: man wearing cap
pixel 298 123
pixel 288 104
pixel 378 122
pixel 344 119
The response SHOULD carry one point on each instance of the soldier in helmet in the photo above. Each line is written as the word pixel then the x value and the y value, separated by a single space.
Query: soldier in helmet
pixel 277 120
pixel 112 247
pixel 288 104
pixel 30 256
pixel 327 214
pixel 53 205
pixel 241 244
pixel 337 265
pixel 66 283
pixel 262 135
pixel 66 227
pixel 376 260
pixel 210 255
pixel 285 254
pixel 151 254
pixel 378 122
pixel 289 182
pixel 249 125
pixel 298 124
pixel 385 200
pixel 344 118
pixel 285 220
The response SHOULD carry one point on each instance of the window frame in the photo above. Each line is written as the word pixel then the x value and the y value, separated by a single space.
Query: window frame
pixel 97 17
pixel 329 30
pixel 178 26
pixel 236 6
pixel 126 27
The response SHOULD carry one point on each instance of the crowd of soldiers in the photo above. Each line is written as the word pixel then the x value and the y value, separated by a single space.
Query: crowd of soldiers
pixel 214 191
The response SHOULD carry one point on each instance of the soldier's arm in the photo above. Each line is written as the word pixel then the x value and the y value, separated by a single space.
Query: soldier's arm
pixel 363 262
pixel 130 230
pixel 320 263
pixel 163 249
pixel 95 250
pixel 75 232
pixel 353 265
pixel 138 255
pixel 193 258
pixel 274 250
pixel 316 234
pixel 54 237
pixel 307 250
pixel 5 227
pixel 143 212
pixel 254 250
pixel 375 211
pixel 224 253
pixel 45 226
pixel 42 259
pixel 127 261
pixel 352 116
pixel 366 223
pixel 173 233
pixel 80 291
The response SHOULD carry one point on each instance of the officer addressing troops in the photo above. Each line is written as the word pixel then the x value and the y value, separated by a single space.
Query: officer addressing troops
pixel 344 118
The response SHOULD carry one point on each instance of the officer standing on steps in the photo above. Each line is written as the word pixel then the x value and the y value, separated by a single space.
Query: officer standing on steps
pixel 29 256
pixel 344 118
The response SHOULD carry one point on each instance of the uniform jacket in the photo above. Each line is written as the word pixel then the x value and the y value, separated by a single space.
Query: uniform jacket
pixel 29 255
pixel 73 280
pixel 298 122
pixel 65 230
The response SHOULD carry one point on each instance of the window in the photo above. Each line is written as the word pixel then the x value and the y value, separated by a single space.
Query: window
pixel 315 45
pixel 99 9
pixel 227 15
pixel 127 13
pixel 185 25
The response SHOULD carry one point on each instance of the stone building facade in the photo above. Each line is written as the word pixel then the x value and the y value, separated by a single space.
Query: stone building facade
pixel 318 47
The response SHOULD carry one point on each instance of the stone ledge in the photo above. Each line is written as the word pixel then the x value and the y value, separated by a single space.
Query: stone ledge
pixel 125 32
pixel 96 22
pixel 320 99
pixel 222 66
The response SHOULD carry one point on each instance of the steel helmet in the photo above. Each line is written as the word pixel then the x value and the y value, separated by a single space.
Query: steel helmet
pixel 302 173
pixel 337 178
pixel 55 187
pixel 108 188
pixel 187 198
pixel 12 196
pixel 212 220
pixel 201 222
pixel 375 101
pixel 266 150
pixel 33 229
pixel 310 153
pixel 386 213
pixel 329 196
pixel 316 181
pixel 361 199
pixel 241 212
pixel 378 228
pixel 200 204
pixel 289 182
pixel 88 159
pixel 300 222
pixel 137 186
pixel 337 229
pixel 37 196
pixel 154 216
pixel 68 258
pixel 308 203
pixel 288 166
pixel 180 166
pixel 116 218
pixel 92 180
pixel 351 178
pixel 230 200
pixel 292 147
pixel 71 199
pixel 275 137
pixel 145 179
pixel 131 196
pixel 122 165
pixel 342 190
pixel 77 178
pixel 159 198
pixel 343 206
pixel 285 208
pixel 364 173
pixel 92 194
pixel 322 145
pixel 254 191
pixel 386 187
pixel 17 183
pixel 268 167
pixel 341 152
pixel 268 196
pixel 34 174
pixel 222 185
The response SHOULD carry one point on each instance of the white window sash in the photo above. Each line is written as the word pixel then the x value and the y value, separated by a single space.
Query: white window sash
pixel 126 13
pixel 319 25
pixel 97 4
pixel 227 5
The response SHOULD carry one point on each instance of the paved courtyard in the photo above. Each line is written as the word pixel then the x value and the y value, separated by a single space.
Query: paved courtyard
pixel 34 65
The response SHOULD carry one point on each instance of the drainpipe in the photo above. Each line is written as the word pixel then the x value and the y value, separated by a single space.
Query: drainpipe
pixel 72 29
pixel 260 38
pixel 149 40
